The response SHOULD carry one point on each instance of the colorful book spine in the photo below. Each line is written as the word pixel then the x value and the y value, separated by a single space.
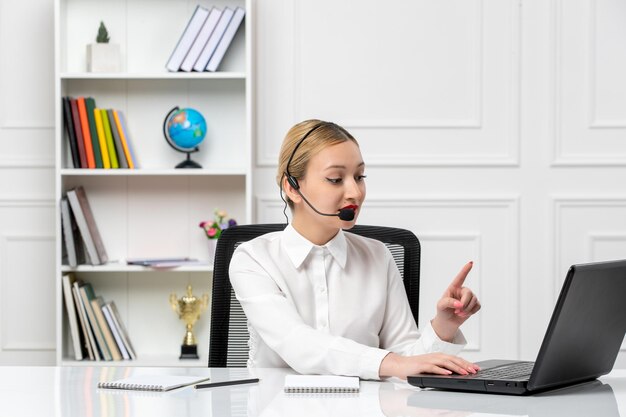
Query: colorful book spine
pixel 96 305
pixel 84 124
pixel 71 135
pixel 78 132
pixel 90 105
pixel 97 115
pixel 109 137
pixel 87 294
pixel 129 142
pixel 121 158
pixel 120 131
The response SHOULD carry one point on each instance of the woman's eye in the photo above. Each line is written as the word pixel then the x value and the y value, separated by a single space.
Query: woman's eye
pixel 361 177
pixel 334 180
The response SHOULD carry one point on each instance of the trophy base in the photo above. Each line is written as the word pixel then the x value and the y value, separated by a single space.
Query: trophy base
pixel 189 352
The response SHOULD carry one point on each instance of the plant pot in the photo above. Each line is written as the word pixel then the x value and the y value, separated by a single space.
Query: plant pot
pixel 103 57
pixel 211 250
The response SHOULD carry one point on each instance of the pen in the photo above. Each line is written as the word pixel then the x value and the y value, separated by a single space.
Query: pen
pixel 224 383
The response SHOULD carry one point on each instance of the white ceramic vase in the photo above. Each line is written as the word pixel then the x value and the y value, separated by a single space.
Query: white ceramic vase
pixel 103 57
pixel 212 246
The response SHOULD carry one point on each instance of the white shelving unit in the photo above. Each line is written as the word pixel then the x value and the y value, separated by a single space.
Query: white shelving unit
pixel 153 211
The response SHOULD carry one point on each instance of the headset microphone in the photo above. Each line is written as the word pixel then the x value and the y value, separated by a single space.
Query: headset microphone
pixel 345 214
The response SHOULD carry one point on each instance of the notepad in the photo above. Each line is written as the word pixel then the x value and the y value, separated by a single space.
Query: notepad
pixel 295 384
pixel 153 382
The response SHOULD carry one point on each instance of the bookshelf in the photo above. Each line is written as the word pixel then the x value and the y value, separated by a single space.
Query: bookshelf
pixel 152 211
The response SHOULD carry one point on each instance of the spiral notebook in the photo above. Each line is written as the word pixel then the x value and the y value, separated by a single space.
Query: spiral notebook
pixel 323 384
pixel 153 382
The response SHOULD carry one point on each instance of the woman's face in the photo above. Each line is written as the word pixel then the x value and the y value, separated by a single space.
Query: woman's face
pixel 334 180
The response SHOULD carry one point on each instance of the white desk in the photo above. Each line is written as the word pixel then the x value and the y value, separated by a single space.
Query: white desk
pixel 73 392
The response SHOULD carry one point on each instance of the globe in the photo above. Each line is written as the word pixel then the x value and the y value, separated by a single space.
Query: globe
pixel 184 129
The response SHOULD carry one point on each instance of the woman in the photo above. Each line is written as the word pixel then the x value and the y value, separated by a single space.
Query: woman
pixel 323 301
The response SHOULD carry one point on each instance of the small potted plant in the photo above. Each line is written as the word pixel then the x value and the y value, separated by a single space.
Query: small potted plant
pixel 103 56
pixel 213 229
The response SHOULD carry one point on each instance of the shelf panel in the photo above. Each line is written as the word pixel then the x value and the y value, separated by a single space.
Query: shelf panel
pixel 116 267
pixel 226 75
pixel 148 361
pixel 71 172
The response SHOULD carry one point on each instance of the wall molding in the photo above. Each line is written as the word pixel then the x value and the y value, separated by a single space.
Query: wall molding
pixel 5 240
pixel 266 157
pixel 560 158
pixel 575 201
pixel 475 344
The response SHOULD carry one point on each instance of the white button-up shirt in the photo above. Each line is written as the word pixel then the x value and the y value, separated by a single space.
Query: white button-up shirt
pixel 333 309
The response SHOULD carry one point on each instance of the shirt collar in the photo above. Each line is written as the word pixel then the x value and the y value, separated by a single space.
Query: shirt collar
pixel 298 247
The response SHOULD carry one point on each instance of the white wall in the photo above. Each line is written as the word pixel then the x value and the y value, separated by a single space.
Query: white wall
pixel 494 129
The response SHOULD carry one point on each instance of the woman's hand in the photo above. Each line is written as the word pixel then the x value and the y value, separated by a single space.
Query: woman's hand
pixel 457 304
pixel 430 363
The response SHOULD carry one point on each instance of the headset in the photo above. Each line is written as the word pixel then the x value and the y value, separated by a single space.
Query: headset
pixel 346 214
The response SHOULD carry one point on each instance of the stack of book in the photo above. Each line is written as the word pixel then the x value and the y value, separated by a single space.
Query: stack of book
pixel 81 238
pixel 95 325
pixel 98 138
pixel 205 40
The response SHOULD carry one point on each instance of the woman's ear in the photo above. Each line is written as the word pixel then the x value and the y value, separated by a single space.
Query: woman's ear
pixel 290 192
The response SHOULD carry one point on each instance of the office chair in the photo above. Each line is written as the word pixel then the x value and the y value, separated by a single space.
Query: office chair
pixel 228 341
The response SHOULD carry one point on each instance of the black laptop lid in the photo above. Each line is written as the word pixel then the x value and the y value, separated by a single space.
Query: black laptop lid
pixel 587 327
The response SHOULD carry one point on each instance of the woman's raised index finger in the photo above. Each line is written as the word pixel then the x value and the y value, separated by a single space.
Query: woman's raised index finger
pixel 458 281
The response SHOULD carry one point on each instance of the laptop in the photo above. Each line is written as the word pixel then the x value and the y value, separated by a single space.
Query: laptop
pixel 582 341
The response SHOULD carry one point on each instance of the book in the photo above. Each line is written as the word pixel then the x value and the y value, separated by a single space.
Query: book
pixel 120 132
pixel 323 384
pixel 119 149
pixel 78 133
pixel 97 115
pixel 115 331
pixel 153 382
pixel 189 35
pixel 226 40
pixel 96 305
pixel 106 125
pixel 70 307
pixel 201 40
pixel 84 125
pixel 126 133
pixel 87 225
pixel 68 234
pixel 90 105
pixel 86 295
pixel 117 318
pixel 214 40
pixel 88 338
pixel 166 263
pixel 157 261
pixel 71 135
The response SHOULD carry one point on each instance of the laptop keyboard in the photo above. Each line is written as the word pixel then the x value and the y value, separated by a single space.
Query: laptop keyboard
pixel 513 371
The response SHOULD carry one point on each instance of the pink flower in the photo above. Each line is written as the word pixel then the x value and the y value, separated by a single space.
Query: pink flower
pixel 211 232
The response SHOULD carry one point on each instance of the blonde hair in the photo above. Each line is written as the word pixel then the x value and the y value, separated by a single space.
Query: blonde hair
pixel 325 134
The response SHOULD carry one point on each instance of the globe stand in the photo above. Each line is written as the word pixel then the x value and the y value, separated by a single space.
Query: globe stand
pixel 188 163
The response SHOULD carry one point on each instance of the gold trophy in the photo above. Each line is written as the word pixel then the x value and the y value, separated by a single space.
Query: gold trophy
pixel 189 309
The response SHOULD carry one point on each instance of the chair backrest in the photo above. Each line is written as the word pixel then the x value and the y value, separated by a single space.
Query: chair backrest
pixel 228 344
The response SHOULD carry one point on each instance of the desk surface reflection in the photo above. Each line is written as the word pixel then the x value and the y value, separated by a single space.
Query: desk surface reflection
pixel 72 391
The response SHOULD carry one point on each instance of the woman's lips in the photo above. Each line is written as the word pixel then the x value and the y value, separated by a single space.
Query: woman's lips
pixel 351 206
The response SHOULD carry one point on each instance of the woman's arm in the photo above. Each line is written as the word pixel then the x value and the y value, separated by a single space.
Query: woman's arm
pixel 415 352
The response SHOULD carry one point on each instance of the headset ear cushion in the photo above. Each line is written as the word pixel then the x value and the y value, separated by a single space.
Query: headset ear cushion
pixel 293 181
